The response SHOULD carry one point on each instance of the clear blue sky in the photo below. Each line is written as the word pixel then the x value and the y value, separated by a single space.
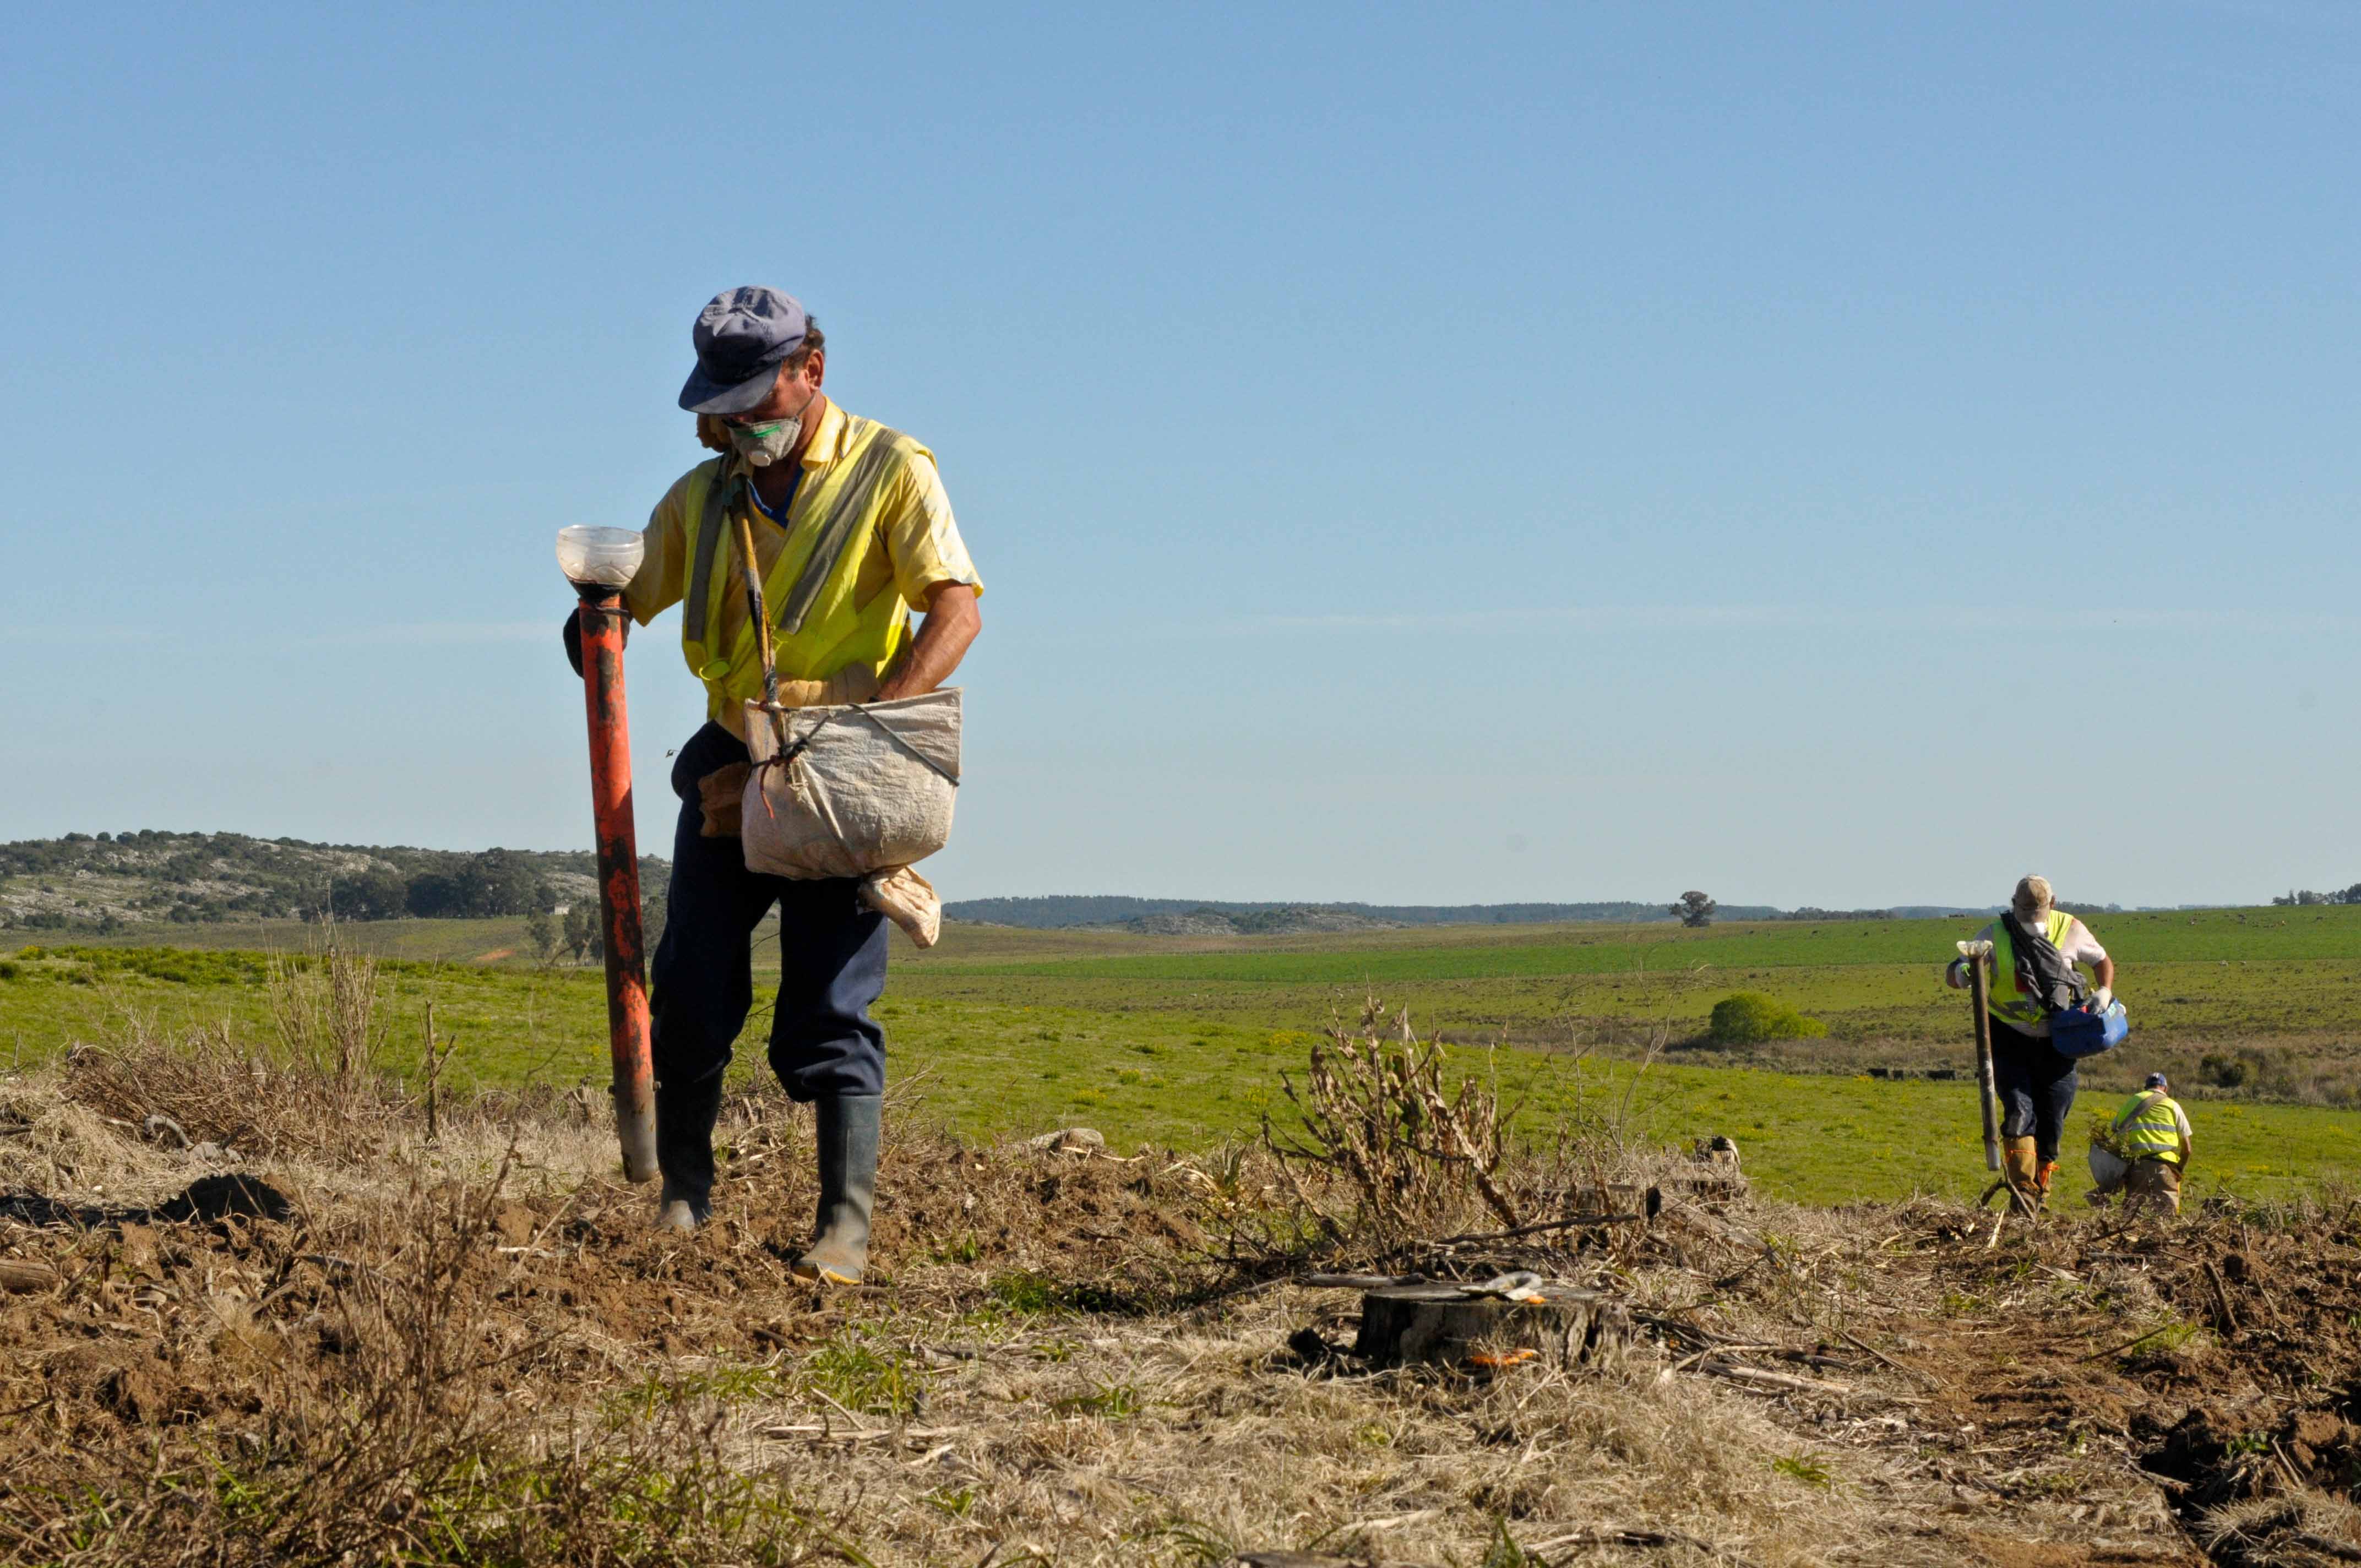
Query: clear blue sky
pixel 1832 453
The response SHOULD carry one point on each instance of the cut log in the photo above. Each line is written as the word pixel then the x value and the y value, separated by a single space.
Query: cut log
pixel 23 1277
pixel 1562 1326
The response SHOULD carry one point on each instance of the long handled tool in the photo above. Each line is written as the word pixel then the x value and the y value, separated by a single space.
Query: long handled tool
pixel 1987 1091
pixel 601 618
pixel 1987 1088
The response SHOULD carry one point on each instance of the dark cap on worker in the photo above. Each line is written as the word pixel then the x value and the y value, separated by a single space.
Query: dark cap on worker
pixel 742 335
pixel 2155 1081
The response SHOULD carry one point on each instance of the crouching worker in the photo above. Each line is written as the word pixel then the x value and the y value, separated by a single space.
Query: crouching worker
pixel 2151 1133
pixel 2035 948
pixel 803 471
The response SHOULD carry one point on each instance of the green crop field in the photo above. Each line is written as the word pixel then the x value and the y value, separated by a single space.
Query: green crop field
pixel 1181 1041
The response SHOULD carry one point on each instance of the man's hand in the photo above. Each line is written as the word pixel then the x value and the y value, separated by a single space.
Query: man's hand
pixel 2102 998
pixel 952 621
pixel 571 635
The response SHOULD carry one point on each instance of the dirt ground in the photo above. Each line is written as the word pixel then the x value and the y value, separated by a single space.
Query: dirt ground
pixel 476 1349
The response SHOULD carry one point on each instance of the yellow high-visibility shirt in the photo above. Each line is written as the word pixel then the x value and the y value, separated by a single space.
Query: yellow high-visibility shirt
pixel 2152 1125
pixel 914 548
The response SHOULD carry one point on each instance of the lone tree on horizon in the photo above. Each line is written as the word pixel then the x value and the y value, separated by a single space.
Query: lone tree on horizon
pixel 1693 909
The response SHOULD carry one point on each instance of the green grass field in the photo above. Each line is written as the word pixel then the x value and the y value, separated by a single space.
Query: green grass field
pixel 1181 1041
pixel 2225 973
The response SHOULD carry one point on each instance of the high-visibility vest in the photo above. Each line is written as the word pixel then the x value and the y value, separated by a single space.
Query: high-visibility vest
pixel 2008 1002
pixel 815 628
pixel 2148 1127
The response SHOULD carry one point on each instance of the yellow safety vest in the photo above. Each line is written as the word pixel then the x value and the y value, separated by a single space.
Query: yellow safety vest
pixel 817 629
pixel 2148 1127
pixel 2008 1002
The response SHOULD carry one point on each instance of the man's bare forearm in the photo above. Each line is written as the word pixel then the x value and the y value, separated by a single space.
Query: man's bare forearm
pixel 944 637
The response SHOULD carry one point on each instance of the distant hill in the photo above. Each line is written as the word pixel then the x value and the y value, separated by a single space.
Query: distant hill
pixel 107 882
pixel 1055 911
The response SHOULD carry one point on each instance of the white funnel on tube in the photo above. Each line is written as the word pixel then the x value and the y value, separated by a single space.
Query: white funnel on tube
pixel 607 557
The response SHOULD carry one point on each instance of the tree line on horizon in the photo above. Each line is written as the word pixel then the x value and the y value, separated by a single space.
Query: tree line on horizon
pixel 201 877
pixel 193 878
pixel 2305 898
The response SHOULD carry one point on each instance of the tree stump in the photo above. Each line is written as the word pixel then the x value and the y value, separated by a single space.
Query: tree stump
pixel 1561 1326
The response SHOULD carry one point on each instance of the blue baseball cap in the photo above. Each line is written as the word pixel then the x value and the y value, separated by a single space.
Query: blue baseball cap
pixel 2155 1081
pixel 743 336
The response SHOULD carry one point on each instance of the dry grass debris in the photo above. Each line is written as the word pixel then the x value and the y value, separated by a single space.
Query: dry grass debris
pixel 476 1349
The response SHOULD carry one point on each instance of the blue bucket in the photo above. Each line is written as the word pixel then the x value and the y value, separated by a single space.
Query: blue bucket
pixel 2085 1032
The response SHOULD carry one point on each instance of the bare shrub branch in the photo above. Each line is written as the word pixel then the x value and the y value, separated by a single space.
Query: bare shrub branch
pixel 1376 1127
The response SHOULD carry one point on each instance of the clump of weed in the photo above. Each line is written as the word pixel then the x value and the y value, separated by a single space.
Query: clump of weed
pixel 1807 1468
pixel 655 1392
pixel 1029 1292
pixel 1749 1018
pixel 1109 1401
pixel 2223 1071
pixel 865 1376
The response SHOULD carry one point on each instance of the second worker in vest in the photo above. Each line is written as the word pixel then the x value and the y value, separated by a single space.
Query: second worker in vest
pixel 2036 950
pixel 2152 1135
pixel 792 461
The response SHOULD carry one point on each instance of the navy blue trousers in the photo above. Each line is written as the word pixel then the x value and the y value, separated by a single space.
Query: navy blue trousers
pixel 2036 1088
pixel 832 970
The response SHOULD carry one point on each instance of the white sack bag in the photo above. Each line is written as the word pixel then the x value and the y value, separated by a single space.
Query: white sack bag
pixel 2107 1168
pixel 851 790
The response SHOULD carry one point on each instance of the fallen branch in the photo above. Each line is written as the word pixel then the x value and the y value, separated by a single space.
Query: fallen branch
pixel 2222 1295
pixel 2118 1350
pixel 1569 1222
pixel 1307 1559
pixel 2340 1550
pixel 1818 1359
pixel 1783 1382
pixel 1857 1342
pixel 1728 1281
pixel 1359 1281
pixel 1612 1537
pixel 1312 1560
pixel 856 1434
pixel 26 1277
pixel 1714 1224
pixel 1704 1338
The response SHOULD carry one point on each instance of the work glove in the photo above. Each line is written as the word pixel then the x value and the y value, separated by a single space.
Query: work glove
pixel 571 635
pixel 2102 998
pixel 722 796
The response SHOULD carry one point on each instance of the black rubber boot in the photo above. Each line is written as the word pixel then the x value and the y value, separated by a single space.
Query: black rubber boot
pixel 848 1188
pixel 685 1118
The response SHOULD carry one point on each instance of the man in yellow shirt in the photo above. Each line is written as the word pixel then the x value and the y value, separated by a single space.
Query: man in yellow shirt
pixel 852 533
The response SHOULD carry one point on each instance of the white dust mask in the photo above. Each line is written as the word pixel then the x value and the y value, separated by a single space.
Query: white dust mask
pixel 766 443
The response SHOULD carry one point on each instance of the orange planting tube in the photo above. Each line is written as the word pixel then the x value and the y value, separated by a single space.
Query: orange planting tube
pixel 602 614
